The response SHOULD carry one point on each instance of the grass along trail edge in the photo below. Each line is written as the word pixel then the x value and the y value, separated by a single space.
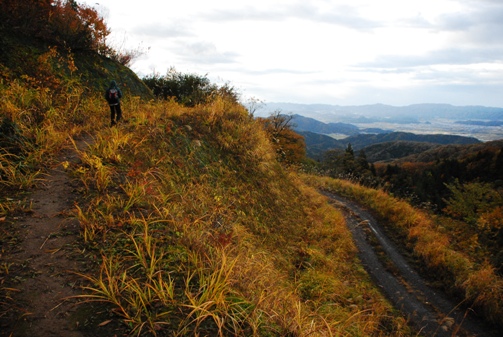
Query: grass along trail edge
pixel 40 269
pixel 427 309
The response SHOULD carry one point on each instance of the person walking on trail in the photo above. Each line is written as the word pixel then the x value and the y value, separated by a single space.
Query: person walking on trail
pixel 113 95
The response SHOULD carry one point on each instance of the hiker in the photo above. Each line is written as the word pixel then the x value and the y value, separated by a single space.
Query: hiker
pixel 113 96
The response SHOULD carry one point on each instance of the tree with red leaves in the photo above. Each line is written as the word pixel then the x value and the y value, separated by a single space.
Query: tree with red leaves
pixel 62 22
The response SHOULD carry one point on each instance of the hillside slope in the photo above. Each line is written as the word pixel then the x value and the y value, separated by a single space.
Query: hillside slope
pixel 383 146
pixel 301 123
pixel 188 224
pixel 361 141
pixel 388 151
pixel 191 226
pixel 47 65
pixel 451 152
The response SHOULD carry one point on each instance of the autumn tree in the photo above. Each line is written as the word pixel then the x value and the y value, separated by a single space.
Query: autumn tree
pixel 332 162
pixel 289 145
pixel 60 23
pixel 480 206
pixel 253 104
pixel 79 27
pixel 490 225
pixel 26 17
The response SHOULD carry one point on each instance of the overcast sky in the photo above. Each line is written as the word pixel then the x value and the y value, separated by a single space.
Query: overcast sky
pixel 344 52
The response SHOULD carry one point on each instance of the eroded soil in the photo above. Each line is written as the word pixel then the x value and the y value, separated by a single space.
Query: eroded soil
pixel 39 270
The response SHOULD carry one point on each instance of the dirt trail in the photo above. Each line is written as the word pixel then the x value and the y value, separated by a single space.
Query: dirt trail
pixel 428 310
pixel 44 260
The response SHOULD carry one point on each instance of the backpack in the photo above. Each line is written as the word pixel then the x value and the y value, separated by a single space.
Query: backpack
pixel 113 96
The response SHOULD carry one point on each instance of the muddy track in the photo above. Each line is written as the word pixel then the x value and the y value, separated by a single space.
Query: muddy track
pixel 428 310
pixel 42 265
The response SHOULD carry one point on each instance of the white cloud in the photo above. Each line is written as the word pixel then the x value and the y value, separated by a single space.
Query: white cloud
pixel 325 51
pixel 163 30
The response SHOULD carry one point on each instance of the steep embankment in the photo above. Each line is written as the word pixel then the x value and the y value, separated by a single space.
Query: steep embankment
pixel 97 72
pixel 45 65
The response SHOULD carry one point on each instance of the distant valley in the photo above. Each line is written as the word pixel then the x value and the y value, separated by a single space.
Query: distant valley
pixel 406 130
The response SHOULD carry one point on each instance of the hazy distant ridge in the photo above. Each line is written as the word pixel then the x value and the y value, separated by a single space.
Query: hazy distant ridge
pixel 326 113
pixel 302 123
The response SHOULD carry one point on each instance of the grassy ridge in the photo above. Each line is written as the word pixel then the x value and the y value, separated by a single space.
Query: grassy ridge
pixel 200 230
pixel 475 280
pixel 195 227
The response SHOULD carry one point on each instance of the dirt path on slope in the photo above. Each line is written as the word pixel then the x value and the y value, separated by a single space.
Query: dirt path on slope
pixel 40 266
pixel 427 309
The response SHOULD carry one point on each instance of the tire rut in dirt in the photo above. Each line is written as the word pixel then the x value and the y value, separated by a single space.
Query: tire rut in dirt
pixel 427 309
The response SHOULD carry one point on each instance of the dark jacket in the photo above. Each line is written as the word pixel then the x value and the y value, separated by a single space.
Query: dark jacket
pixel 113 85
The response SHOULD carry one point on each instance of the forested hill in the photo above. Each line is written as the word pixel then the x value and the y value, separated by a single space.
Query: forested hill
pixel 452 152
pixel 404 143
pixel 389 151
pixel 306 124
pixel 50 44
pixel 363 140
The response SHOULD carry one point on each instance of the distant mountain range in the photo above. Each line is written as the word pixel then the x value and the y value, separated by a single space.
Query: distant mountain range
pixel 380 112
pixel 481 123
pixel 387 133
pixel 301 123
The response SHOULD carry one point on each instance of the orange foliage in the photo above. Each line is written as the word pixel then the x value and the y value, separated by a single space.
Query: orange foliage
pixel 415 167
pixel 491 221
pixel 290 147
pixel 64 23
pixel 24 15
pixel 78 27
pixel 485 289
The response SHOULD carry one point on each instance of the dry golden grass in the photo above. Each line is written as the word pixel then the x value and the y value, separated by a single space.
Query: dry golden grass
pixel 198 228
pixel 196 205
pixel 38 124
